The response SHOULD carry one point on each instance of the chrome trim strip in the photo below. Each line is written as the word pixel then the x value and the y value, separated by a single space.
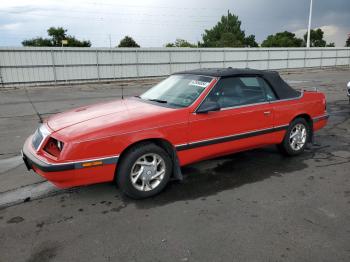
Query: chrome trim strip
pixel 242 106
pixel 282 126
pixel 289 99
pixel 319 118
pixel 79 162
pixel 179 145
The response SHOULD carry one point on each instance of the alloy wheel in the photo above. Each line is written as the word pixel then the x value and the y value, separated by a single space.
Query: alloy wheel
pixel 297 137
pixel 148 172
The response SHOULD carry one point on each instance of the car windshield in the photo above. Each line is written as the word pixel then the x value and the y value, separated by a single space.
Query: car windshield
pixel 177 90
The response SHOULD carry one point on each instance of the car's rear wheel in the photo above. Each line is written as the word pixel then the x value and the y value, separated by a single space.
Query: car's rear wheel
pixel 144 171
pixel 296 138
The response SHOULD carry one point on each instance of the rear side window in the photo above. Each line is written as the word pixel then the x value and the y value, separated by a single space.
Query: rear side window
pixel 236 91
pixel 259 83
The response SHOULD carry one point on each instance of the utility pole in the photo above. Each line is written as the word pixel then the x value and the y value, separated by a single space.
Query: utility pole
pixel 309 27
pixel 228 13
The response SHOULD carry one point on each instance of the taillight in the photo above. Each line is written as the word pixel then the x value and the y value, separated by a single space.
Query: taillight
pixel 53 147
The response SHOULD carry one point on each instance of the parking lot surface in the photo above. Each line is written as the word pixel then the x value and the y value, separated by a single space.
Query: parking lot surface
pixel 250 206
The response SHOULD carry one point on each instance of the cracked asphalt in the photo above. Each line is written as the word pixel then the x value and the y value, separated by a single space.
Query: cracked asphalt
pixel 251 206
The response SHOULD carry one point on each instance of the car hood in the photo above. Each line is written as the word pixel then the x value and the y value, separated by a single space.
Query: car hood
pixel 127 114
pixel 86 113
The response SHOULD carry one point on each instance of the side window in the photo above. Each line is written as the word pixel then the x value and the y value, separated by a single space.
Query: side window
pixel 259 85
pixel 236 91
pixel 227 92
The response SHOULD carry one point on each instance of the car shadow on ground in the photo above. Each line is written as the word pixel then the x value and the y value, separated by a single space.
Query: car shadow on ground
pixel 211 177
pixel 201 180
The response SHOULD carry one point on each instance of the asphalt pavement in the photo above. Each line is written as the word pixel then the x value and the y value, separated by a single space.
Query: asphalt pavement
pixel 251 206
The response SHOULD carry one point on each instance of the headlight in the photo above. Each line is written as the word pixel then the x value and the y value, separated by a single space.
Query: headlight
pixel 53 147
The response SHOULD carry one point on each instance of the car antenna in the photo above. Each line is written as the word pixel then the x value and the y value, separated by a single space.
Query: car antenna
pixel 122 92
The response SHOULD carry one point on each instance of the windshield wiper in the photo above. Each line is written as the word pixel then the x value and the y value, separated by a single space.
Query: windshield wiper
pixel 158 100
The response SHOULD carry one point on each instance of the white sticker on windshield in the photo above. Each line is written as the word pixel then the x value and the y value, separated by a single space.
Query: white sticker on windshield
pixel 199 83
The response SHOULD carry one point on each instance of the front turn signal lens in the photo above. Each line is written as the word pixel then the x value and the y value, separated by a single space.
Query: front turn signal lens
pixel 93 163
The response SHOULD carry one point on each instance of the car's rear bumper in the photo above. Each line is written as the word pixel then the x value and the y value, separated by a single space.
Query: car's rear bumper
pixel 69 174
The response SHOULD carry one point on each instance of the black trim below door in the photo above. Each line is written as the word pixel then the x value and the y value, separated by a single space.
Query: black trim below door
pixel 230 138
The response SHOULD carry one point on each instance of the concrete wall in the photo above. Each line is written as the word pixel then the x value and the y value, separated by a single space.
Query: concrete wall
pixel 31 66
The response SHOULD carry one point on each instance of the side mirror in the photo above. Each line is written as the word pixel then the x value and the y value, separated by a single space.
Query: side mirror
pixel 208 106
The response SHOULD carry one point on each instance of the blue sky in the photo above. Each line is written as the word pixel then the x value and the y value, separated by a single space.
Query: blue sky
pixel 152 23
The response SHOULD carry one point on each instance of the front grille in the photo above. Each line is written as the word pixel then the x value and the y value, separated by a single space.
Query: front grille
pixel 37 139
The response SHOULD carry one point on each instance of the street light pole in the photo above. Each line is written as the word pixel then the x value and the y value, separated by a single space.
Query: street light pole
pixel 309 27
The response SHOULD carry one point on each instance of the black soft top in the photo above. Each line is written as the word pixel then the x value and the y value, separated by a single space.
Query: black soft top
pixel 281 88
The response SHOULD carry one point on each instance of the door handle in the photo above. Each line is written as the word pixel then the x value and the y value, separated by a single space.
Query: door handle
pixel 266 113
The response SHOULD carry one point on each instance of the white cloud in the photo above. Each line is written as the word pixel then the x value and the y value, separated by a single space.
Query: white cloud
pixel 332 33
pixel 300 32
pixel 10 26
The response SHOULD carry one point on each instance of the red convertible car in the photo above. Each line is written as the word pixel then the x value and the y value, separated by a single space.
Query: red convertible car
pixel 141 142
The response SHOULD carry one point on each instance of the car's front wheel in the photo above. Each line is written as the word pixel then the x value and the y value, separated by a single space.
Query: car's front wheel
pixel 144 171
pixel 296 138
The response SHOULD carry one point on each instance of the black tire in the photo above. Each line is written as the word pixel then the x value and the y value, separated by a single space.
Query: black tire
pixel 285 147
pixel 123 176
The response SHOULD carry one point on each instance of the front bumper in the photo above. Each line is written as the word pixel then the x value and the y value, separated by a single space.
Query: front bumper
pixel 31 160
pixel 69 174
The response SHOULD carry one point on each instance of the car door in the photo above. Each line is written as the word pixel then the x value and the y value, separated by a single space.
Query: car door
pixel 243 122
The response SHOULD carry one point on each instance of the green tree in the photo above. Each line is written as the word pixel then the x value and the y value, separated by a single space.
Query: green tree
pixel 127 41
pixel 331 44
pixel 180 43
pixel 39 41
pixel 227 33
pixel 56 34
pixel 250 41
pixel 316 38
pixel 282 39
pixel 347 43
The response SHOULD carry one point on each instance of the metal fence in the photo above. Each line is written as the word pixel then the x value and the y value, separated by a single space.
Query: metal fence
pixel 66 65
